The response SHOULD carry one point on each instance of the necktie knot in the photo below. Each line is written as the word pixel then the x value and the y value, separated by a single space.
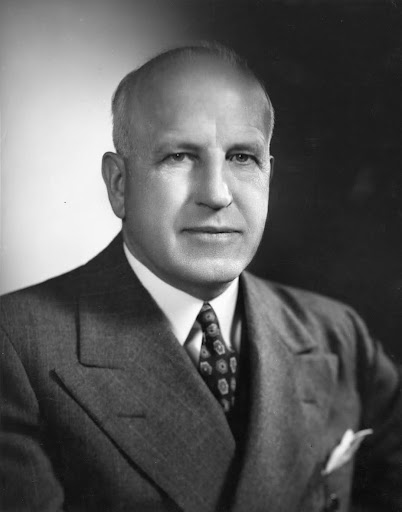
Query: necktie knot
pixel 208 319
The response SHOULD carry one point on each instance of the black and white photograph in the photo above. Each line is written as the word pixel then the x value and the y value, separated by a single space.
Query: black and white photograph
pixel 201 256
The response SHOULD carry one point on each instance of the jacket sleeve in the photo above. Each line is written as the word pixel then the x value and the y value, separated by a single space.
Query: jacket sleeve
pixel 378 471
pixel 28 482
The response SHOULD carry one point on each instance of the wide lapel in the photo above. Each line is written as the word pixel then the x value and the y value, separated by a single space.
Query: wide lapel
pixel 141 388
pixel 291 385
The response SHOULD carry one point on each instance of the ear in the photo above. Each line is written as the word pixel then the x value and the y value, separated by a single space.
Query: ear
pixel 114 176
pixel 271 172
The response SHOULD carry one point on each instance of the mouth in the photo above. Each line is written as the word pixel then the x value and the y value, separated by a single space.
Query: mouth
pixel 212 235
pixel 212 230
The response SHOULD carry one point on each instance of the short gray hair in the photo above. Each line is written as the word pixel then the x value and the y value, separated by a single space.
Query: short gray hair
pixel 122 97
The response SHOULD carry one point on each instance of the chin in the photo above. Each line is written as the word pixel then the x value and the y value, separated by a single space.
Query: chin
pixel 215 273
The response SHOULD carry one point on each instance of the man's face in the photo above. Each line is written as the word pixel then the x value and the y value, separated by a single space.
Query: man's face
pixel 196 187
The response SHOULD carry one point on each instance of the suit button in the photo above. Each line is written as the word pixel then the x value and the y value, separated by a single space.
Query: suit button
pixel 332 504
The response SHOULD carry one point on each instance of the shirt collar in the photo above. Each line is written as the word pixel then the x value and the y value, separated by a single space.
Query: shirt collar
pixel 180 308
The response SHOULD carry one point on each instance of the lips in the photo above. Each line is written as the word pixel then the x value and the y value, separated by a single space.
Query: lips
pixel 212 229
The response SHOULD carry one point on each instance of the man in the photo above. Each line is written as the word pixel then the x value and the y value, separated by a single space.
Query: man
pixel 160 375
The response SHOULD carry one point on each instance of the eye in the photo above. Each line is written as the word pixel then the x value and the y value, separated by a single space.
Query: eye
pixel 242 158
pixel 177 157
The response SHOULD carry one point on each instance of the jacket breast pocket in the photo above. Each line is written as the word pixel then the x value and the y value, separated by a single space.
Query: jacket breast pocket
pixel 329 493
pixel 337 488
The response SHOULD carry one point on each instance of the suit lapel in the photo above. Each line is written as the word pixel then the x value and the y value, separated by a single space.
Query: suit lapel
pixel 140 387
pixel 290 390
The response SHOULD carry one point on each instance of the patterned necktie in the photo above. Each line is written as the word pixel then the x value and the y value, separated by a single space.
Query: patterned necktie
pixel 218 363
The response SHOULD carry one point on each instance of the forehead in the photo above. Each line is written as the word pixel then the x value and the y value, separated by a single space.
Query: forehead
pixel 182 93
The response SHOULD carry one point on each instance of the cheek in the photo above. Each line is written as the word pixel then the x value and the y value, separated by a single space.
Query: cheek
pixel 252 199
pixel 156 201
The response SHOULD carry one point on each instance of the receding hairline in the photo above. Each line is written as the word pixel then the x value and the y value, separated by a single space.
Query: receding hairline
pixel 136 80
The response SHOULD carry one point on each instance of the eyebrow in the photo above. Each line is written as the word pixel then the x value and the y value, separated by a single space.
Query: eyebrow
pixel 252 147
pixel 174 144
pixel 178 144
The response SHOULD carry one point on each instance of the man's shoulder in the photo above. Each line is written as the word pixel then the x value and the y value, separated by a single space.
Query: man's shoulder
pixel 300 301
pixel 59 295
pixel 41 306
pixel 66 285
pixel 320 316
pixel 55 289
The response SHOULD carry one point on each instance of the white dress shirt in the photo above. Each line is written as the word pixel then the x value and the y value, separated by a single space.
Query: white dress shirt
pixel 181 309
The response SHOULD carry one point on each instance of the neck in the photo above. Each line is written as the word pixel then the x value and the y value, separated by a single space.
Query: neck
pixel 202 290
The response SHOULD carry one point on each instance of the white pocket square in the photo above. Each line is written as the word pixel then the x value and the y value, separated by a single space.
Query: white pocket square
pixel 345 450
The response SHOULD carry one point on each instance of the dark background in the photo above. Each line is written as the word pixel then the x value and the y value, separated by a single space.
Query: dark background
pixel 334 71
pixel 334 74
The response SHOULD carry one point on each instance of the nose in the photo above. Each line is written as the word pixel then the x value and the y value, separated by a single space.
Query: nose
pixel 212 184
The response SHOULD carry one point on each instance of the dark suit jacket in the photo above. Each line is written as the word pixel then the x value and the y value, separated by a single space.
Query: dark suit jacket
pixel 103 410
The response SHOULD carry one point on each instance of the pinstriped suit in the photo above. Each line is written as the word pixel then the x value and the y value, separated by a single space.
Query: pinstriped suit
pixel 103 410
